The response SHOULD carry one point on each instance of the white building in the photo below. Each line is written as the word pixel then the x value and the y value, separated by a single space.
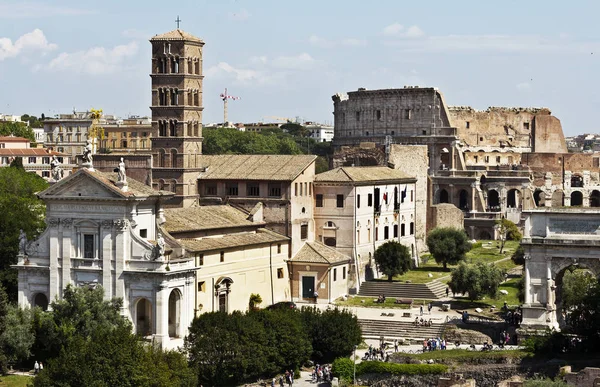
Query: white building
pixel 357 209
pixel 102 233
pixel 10 118
pixel 34 159
pixel 321 133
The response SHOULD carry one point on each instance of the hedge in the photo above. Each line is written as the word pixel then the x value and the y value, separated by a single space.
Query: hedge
pixel 343 368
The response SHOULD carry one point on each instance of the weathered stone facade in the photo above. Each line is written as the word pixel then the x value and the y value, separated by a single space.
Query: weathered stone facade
pixel 445 215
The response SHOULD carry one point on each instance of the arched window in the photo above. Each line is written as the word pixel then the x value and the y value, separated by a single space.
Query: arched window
pixel 539 198
pixel 176 62
pixel 174 163
pixel 41 300
pixel 576 199
pixel 493 200
pixel 143 317
pixel 174 186
pixel 174 313
pixel 576 181
pixel 443 196
pixel 172 128
pixel 595 199
pixel 463 200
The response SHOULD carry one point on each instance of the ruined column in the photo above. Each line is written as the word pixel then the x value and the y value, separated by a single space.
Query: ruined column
pixel 527 258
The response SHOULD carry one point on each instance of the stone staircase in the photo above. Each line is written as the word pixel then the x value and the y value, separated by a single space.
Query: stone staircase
pixel 430 291
pixel 398 329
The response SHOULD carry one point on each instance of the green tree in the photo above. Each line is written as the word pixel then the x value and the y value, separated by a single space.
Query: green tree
pixel 477 280
pixel 334 332
pixel 255 300
pixel 585 318
pixel 3 322
pixel 21 210
pixel 448 245
pixel 575 285
pixel 17 129
pixel 19 335
pixel 393 258
pixel 508 231
pixel 295 129
pixel 518 256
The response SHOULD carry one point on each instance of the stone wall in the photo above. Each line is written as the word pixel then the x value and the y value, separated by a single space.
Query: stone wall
pixel 138 166
pixel 548 135
pixel 413 160
pixel 445 215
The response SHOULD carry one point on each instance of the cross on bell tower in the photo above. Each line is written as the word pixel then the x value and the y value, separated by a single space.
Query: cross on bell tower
pixel 178 20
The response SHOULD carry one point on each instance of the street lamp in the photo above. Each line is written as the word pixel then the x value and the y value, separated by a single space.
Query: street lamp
pixel 354 361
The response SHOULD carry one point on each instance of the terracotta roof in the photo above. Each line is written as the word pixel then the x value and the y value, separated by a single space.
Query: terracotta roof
pixel 363 175
pixel 176 35
pixel 13 139
pixel 134 187
pixel 261 236
pixel 205 218
pixel 24 152
pixel 316 252
pixel 254 167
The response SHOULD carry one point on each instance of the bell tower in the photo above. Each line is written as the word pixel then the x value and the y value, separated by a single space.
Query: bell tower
pixel 176 114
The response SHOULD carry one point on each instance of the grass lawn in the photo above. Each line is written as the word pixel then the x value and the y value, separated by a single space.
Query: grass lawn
pixel 368 303
pixel 491 252
pixel 14 381
pixel 461 303
pixel 462 355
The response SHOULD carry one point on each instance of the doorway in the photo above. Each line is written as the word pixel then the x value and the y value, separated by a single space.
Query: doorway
pixel 308 286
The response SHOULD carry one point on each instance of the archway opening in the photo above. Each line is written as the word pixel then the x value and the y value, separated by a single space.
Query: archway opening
pixel 143 317
pixel 571 286
pixel 174 313
pixel 576 181
pixel 484 235
pixel 493 200
pixel 595 199
pixel 41 300
pixel 443 196
pixel 463 200
pixel 576 199
pixel 539 198
pixel 512 198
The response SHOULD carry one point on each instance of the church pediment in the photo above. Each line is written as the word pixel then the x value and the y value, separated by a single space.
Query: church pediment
pixel 81 185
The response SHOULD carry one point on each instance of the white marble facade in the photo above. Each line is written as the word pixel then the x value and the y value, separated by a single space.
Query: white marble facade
pixel 99 233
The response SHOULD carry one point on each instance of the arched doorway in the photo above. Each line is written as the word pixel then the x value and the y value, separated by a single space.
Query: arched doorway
pixel 539 198
pixel 512 198
pixel 484 235
pixel 174 313
pixel 571 285
pixel 143 317
pixel 493 200
pixel 41 300
pixel 576 199
pixel 463 200
pixel 443 196
pixel 595 199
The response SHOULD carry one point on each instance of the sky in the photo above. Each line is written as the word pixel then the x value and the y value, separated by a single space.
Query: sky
pixel 285 59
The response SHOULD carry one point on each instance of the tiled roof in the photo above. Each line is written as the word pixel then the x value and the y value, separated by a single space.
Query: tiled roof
pixel 205 218
pixel 13 139
pixel 254 167
pixel 25 152
pixel 261 236
pixel 176 35
pixel 316 252
pixel 363 175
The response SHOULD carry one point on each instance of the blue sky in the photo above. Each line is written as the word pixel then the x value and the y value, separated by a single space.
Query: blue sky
pixel 287 58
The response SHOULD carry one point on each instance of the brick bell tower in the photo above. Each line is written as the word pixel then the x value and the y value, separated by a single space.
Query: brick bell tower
pixel 176 115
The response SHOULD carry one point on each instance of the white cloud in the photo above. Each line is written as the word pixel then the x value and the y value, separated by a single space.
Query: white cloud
pixel 320 42
pixel 241 15
pixel 33 9
pixel 239 74
pixel 413 32
pixel 34 40
pixel 132 33
pixel 300 62
pixel 524 86
pixel 393 29
pixel 95 61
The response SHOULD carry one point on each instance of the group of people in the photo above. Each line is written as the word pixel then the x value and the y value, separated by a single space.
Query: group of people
pixel 422 323
pixel 378 353
pixel 504 339
pixel 513 318
pixel 429 307
pixel 321 374
pixel 434 344
pixel 37 367
pixel 288 378
pixel 380 299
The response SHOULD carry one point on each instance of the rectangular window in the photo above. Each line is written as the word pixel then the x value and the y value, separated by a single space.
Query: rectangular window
pixel 88 246
pixel 344 272
pixel 407 114
pixel 378 115
pixel 32 160
pixel 526 125
pixel 402 230
pixel 395 231
pixel 386 233
pixel 279 248
pixel 253 189
pixel 201 286
pixel 275 190
pixel 280 273
pixel 200 259
pixel 357 116
pixel 334 274
pixel 340 201
pixel 412 195
pixel 498 159
pixel 309 189
pixel 596 162
pixel 45 173
pixel 304 232
pixel 301 191
pixel 296 189
pixel 2 145
pixel 370 200
pixel 357 201
pixel 468 124
pixel 487 159
pixel 412 228
pixel 144 233
pixel 319 200
pixel 232 189
pixel 222 259
pixel 210 189
pixel 376 233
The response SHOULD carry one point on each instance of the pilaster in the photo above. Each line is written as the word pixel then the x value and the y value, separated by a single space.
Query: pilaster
pixel 162 313
pixel 106 249
pixel 54 289
pixel 121 255
pixel 68 242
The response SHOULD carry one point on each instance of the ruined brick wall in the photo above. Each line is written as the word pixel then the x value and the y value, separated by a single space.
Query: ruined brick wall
pixel 445 215
pixel 548 135
pixel 576 163
pixel 413 160
pixel 137 166
pixel 367 154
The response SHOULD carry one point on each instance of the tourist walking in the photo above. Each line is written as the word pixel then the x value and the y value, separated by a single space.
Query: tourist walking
pixel 36 367
pixel 421 309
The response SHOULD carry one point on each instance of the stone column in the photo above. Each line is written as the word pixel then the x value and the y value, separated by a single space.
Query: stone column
pixel 54 291
pixel 105 248
pixel 69 240
pixel 121 255
pixel 161 312
pixel 527 258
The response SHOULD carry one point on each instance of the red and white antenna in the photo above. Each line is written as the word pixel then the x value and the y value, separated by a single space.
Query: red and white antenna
pixel 225 97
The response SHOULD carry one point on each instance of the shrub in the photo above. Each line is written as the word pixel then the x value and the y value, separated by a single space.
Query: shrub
pixel 377 367
pixel 476 245
pixel 343 368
